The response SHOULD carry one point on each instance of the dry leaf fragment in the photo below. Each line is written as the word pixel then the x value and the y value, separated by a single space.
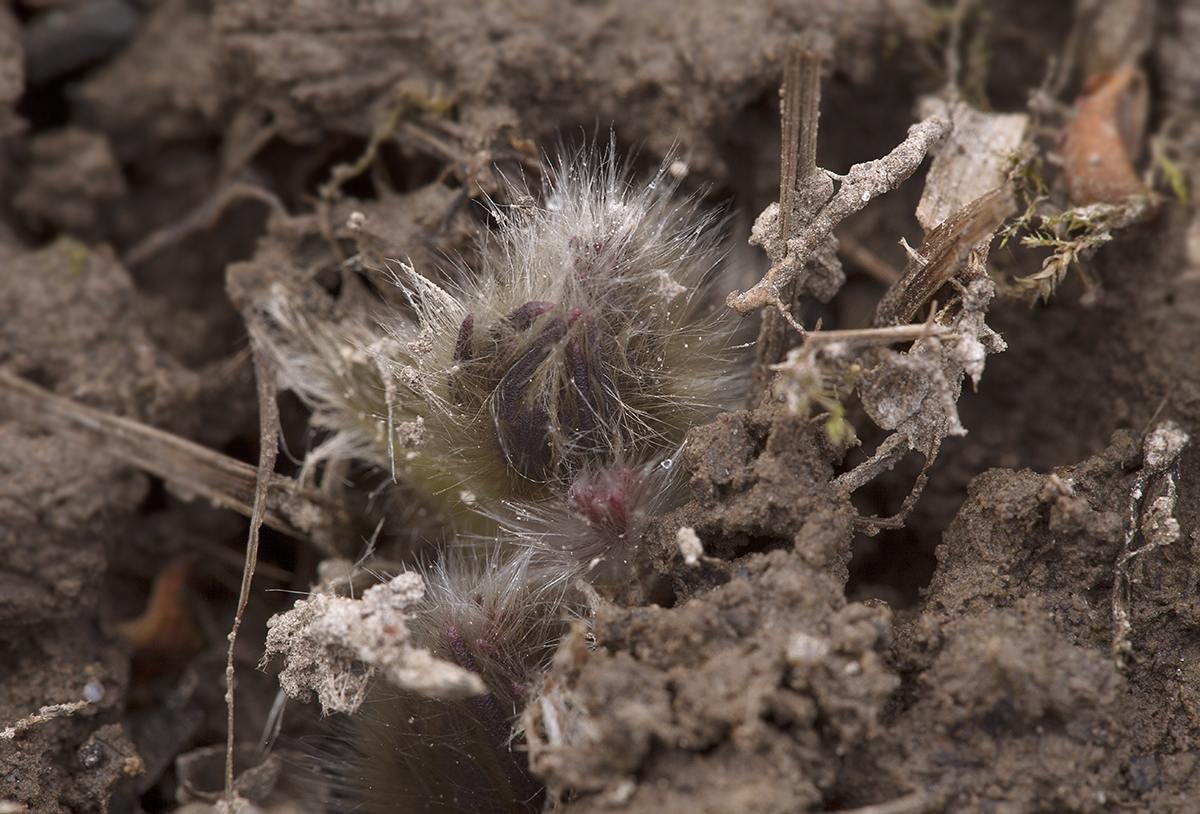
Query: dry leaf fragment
pixel 1102 142
pixel 164 634
pixel 942 254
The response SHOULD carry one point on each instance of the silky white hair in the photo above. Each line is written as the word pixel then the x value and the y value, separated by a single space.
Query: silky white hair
pixel 587 339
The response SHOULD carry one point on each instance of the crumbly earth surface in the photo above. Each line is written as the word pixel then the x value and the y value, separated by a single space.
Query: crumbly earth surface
pixel 1003 652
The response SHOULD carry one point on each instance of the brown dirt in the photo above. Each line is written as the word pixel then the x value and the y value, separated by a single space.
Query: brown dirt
pixel 771 676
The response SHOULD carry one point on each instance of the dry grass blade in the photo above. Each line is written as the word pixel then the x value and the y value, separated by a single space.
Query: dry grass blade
pixel 942 253
pixel 189 468
pixel 800 102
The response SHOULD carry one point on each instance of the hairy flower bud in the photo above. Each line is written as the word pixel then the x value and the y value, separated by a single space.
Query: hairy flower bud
pixel 542 403
pixel 587 339
pixel 500 617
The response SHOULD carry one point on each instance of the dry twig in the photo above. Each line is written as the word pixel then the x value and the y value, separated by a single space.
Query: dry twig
pixel 268 450
pixel 858 187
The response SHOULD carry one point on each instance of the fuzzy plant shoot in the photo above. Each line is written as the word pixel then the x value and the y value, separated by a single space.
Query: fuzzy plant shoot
pixel 500 618
pixel 423 739
pixel 540 403
pixel 572 364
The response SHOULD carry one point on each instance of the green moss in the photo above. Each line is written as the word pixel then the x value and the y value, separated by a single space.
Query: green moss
pixel 75 255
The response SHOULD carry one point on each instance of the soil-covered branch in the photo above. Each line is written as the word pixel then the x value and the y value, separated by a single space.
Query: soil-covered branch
pixel 859 186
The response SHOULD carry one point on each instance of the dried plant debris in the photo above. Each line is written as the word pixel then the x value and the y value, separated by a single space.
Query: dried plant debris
pixel 190 468
pixel 980 154
pixel 1152 509
pixel 323 636
pixel 1101 138
pixel 913 392
pixel 1105 138
pixel 863 182
pixel 1104 193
